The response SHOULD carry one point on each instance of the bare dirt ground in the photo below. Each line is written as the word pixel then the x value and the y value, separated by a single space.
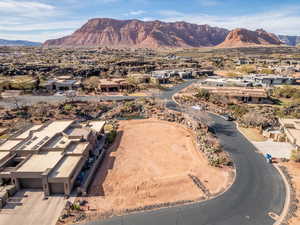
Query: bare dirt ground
pixel 293 169
pixel 150 164
pixel 253 134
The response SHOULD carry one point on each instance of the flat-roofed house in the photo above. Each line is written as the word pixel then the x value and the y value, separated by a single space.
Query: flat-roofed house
pixel 113 85
pixel 140 78
pixel 50 156
pixel 62 83
pixel 291 128
pixel 241 94
pixel 271 80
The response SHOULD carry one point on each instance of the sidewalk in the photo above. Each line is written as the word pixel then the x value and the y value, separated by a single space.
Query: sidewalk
pixel 276 149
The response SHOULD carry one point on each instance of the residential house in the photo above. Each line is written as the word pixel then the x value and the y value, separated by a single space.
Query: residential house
pixel 291 128
pixel 52 157
pixel 241 94
pixel 114 85
pixel 62 83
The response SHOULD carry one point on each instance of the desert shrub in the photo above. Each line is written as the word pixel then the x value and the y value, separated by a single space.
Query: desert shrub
pixel 267 71
pixel 286 92
pixel 296 95
pixel 218 160
pixel 202 94
pixel 232 74
pixel 295 156
pixel 110 137
pixel 91 83
pixel 108 128
pixel 254 119
pixel 238 110
pixel 75 207
pixel 213 150
pixel 247 69
pixel 130 107
pixel 68 107
pixel 218 99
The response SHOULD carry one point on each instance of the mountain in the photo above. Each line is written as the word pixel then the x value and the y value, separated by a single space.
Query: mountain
pixel 18 43
pixel 136 33
pixel 290 40
pixel 244 38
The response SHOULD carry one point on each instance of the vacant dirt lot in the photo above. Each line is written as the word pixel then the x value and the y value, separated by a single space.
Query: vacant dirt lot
pixel 150 163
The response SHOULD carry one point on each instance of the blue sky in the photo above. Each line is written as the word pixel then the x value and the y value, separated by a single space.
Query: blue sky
pixel 39 20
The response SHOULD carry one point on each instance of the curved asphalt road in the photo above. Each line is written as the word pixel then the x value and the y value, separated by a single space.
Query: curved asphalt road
pixel 258 188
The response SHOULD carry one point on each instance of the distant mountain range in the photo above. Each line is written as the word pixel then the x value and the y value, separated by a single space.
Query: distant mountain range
pixel 157 34
pixel 136 33
pixel 290 40
pixel 4 42
pixel 244 38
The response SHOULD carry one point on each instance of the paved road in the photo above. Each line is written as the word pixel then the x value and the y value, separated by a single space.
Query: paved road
pixel 31 100
pixel 258 189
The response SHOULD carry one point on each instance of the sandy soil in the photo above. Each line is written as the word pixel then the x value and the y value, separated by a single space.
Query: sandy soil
pixel 294 171
pixel 253 134
pixel 150 164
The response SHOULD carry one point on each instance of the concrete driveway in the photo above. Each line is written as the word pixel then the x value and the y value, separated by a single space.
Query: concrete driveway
pixel 28 207
pixel 276 149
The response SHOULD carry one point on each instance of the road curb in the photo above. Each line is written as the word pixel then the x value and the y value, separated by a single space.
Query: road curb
pixel 174 100
pixel 234 170
pixel 287 201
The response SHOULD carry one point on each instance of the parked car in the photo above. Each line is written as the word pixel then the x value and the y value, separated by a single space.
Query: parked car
pixel 197 107
pixel 212 130
pixel 227 117
pixel 59 93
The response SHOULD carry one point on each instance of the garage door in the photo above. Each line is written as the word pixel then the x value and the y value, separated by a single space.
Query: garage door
pixel 31 183
pixel 57 188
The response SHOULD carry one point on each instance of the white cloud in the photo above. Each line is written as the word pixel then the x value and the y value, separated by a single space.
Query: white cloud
pixel 39 20
pixel 40 37
pixel 136 13
pixel 171 13
pixel 33 20
pixel 281 21
pixel 25 8
pixel 108 1
pixel 148 19
pixel 208 3
pixel 21 27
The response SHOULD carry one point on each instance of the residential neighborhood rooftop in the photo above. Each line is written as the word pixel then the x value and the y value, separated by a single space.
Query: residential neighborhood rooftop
pixel 237 91
pixel 54 150
pixel 41 162
pixel 65 167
